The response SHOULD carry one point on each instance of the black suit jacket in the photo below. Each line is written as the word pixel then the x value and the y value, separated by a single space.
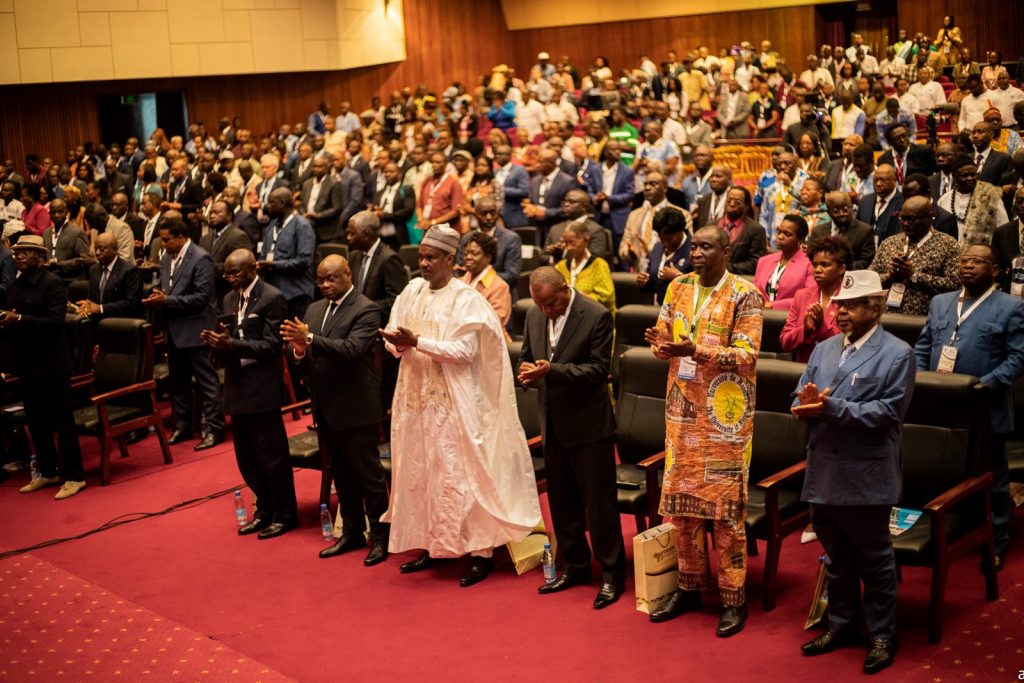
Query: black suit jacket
pixel 191 302
pixel 1006 245
pixel 704 211
pixel 859 236
pixel 122 292
pixel 327 208
pixel 219 248
pixel 252 366
pixel 920 159
pixel 191 196
pixel 344 348
pixel 39 346
pixel 751 245
pixel 362 167
pixel 834 174
pixel 137 223
pixel 386 276
pixel 574 398
pixel 996 165
pixel 249 225
pixel 401 210
pixel 553 197
pixel 935 184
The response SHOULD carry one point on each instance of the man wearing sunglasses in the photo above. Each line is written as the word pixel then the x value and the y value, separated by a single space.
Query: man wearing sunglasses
pixel 979 331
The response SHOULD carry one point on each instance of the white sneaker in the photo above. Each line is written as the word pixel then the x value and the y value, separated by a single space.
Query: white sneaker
pixel 69 489
pixel 808 536
pixel 39 483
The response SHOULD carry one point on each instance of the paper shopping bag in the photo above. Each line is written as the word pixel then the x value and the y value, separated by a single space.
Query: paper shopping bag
pixel 655 566
pixel 528 553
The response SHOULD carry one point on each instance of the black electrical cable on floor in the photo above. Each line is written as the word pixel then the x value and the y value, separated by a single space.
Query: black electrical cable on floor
pixel 119 521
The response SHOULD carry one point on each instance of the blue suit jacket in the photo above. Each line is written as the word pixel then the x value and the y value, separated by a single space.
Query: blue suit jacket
pixel 292 270
pixel 689 190
pixel 990 346
pixel 888 224
pixel 553 213
pixel 620 201
pixel 853 447
pixel 517 188
pixel 191 299
pixel 680 261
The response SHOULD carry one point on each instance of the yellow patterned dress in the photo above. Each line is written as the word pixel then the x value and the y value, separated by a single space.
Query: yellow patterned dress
pixel 709 423
pixel 594 280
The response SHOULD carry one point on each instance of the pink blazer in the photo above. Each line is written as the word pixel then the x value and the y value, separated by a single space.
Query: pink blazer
pixel 794 337
pixel 797 275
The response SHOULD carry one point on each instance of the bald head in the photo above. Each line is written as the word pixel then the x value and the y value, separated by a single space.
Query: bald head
pixel 240 269
pixel 106 248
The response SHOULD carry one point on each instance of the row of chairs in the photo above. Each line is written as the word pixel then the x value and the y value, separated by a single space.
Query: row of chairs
pixel 945 444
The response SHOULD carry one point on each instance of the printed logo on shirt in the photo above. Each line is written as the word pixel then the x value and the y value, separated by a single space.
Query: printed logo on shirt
pixel 678 408
pixel 728 403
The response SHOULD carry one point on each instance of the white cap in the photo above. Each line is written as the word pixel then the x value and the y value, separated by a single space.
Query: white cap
pixel 543 55
pixel 858 284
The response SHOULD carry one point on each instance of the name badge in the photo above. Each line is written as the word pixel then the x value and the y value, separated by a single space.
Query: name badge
pixel 259 247
pixel 896 294
pixel 426 210
pixel 947 359
pixel 687 369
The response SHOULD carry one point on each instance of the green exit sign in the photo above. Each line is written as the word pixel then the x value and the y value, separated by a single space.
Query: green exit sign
pixel 129 99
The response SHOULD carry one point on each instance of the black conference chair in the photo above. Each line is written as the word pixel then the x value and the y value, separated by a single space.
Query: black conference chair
pixel 774 321
pixel 627 291
pixel 630 322
pixel 906 327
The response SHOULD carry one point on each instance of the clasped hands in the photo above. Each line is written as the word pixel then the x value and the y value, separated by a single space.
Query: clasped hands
pixel 663 346
pixel 219 340
pixel 533 372
pixel 812 401
pixel 402 339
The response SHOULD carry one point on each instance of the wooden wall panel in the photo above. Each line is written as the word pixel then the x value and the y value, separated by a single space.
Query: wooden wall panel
pixel 985 24
pixel 793 31
pixel 446 40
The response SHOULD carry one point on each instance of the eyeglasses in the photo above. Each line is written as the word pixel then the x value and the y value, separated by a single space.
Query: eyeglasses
pixel 974 260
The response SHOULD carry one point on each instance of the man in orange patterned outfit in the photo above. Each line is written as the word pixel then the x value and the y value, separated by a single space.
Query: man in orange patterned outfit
pixel 710 329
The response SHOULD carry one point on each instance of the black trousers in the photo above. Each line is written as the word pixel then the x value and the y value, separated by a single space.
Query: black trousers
pixel 856 538
pixel 582 495
pixel 358 478
pixel 47 403
pixel 297 309
pixel 182 365
pixel 261 449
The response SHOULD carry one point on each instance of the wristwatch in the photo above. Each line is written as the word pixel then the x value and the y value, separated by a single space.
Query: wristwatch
pixel 309 338
pixel 913 276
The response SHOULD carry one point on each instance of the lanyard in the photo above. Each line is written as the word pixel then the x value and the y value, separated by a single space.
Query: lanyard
pixel 277 233
pixel 696 295
pixel 437 186
pixel 910 253
pixel 962 315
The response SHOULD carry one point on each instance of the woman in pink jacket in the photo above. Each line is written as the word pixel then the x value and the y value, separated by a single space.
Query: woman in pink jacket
pixel 783 273
pixel 812 315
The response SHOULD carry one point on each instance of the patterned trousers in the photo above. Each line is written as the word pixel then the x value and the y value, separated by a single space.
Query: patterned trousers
pixel 730 548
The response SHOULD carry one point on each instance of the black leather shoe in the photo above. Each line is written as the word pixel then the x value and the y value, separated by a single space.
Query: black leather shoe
pixel 344 544
pixel 565 580
pixel 276 529
pixel 378 553
pixel 609 593
pixel 830 640
pixel 424 561
pixel 257 524
pixel 732 621
pixel 477 571
pixel 881 655
pixel 179 435
pixel 680 602
pixel 210 439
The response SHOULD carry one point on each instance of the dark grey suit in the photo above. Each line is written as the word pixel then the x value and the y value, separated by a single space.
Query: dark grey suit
pixel 751 245
pixel 219 246
pixel 347 421
pixel 122 292
pixel 353 193
pixel 71 244
pixel 191 308
pixel 578 427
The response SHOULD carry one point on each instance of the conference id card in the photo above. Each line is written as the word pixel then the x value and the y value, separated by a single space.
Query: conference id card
pixel 427 208
pixel 896 293
pixel 687 369
pixel 947 359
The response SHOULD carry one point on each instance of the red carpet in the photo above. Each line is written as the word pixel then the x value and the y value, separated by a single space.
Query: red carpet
pixel 281 609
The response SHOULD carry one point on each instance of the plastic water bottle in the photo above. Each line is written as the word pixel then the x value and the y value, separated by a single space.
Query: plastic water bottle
pixel 549 565
pixel 34 472
pixel 326 523
pixel 241 515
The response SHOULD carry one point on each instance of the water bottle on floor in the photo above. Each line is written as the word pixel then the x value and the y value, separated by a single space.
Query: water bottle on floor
pixel 549 565
pixel 34 472
pixel 241 515
pixel 326 523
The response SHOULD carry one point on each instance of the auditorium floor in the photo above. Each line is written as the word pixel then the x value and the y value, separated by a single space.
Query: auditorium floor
pixel 181 597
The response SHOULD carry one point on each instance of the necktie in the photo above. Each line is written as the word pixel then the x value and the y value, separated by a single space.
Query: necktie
pixel 847 353
pixel 331 308
pixel 363 269
pixel 978 161
pixel 174 267
pixel 103 282
pixel 1021 242
pixel 880 208
pixel 899 168
pixel 542 190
